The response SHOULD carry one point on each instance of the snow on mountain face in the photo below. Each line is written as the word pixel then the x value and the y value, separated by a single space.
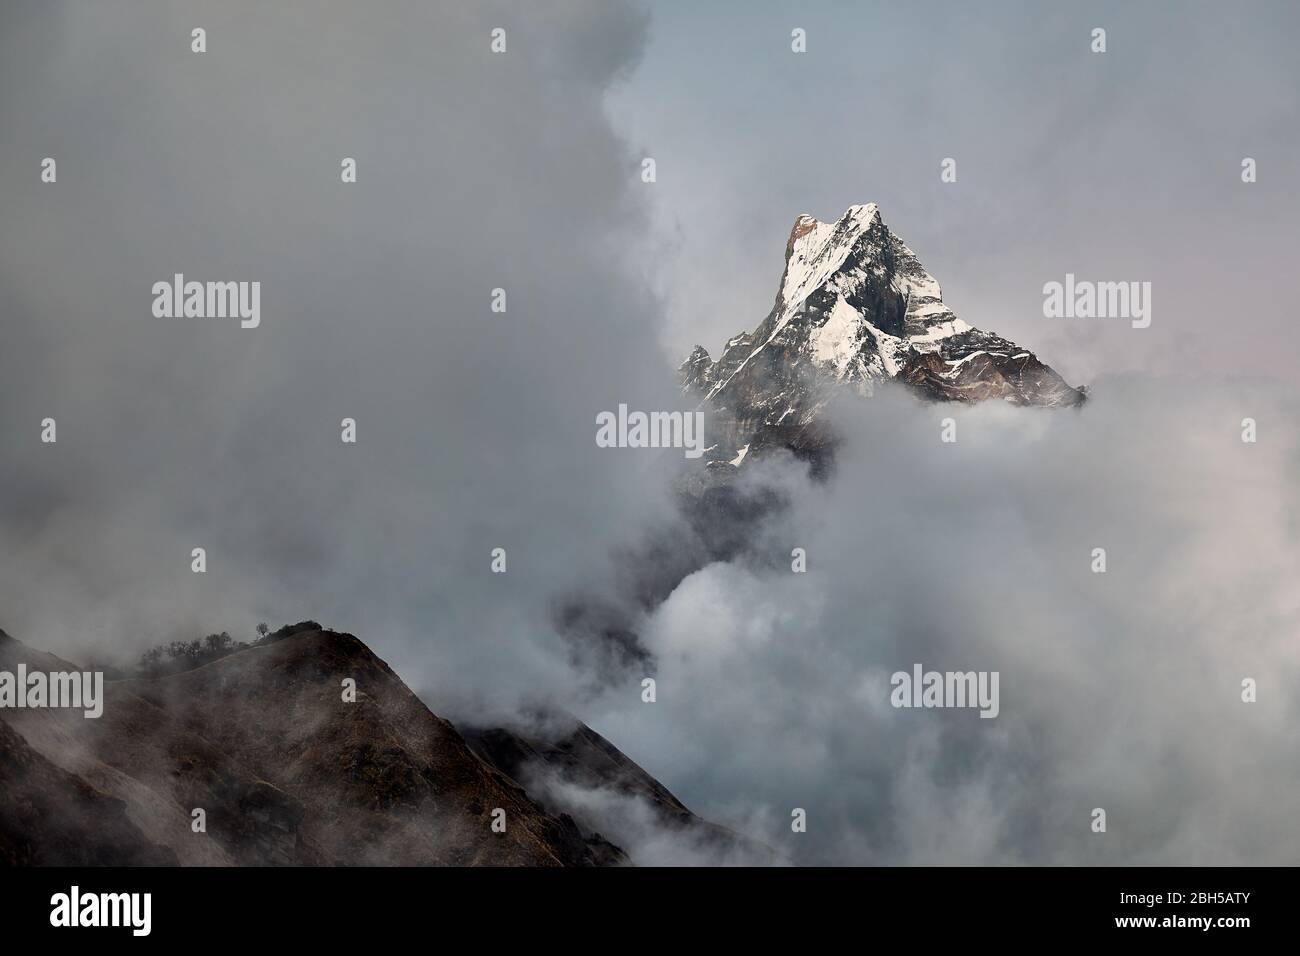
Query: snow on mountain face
pixel 855 308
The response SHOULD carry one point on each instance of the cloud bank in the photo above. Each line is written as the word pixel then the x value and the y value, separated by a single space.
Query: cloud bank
pixel 475 172
pixel 1119 690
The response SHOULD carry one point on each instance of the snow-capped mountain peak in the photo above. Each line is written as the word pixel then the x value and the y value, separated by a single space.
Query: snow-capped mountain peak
pixel 855 307
pixel 817 249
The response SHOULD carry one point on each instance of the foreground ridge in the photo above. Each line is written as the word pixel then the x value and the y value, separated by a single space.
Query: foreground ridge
pixel 288 770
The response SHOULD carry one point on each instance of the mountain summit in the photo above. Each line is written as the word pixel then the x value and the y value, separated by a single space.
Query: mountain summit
pixel 855 308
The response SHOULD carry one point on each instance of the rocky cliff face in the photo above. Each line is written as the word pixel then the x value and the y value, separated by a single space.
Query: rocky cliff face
pixel 855 309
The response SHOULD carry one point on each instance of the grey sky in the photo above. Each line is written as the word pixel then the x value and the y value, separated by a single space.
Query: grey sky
pixel 1121 166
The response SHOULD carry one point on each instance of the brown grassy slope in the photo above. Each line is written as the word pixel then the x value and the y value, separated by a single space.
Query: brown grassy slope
pixel 48 817
pixel 286 771
pixel 382 780
pixel 138 754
